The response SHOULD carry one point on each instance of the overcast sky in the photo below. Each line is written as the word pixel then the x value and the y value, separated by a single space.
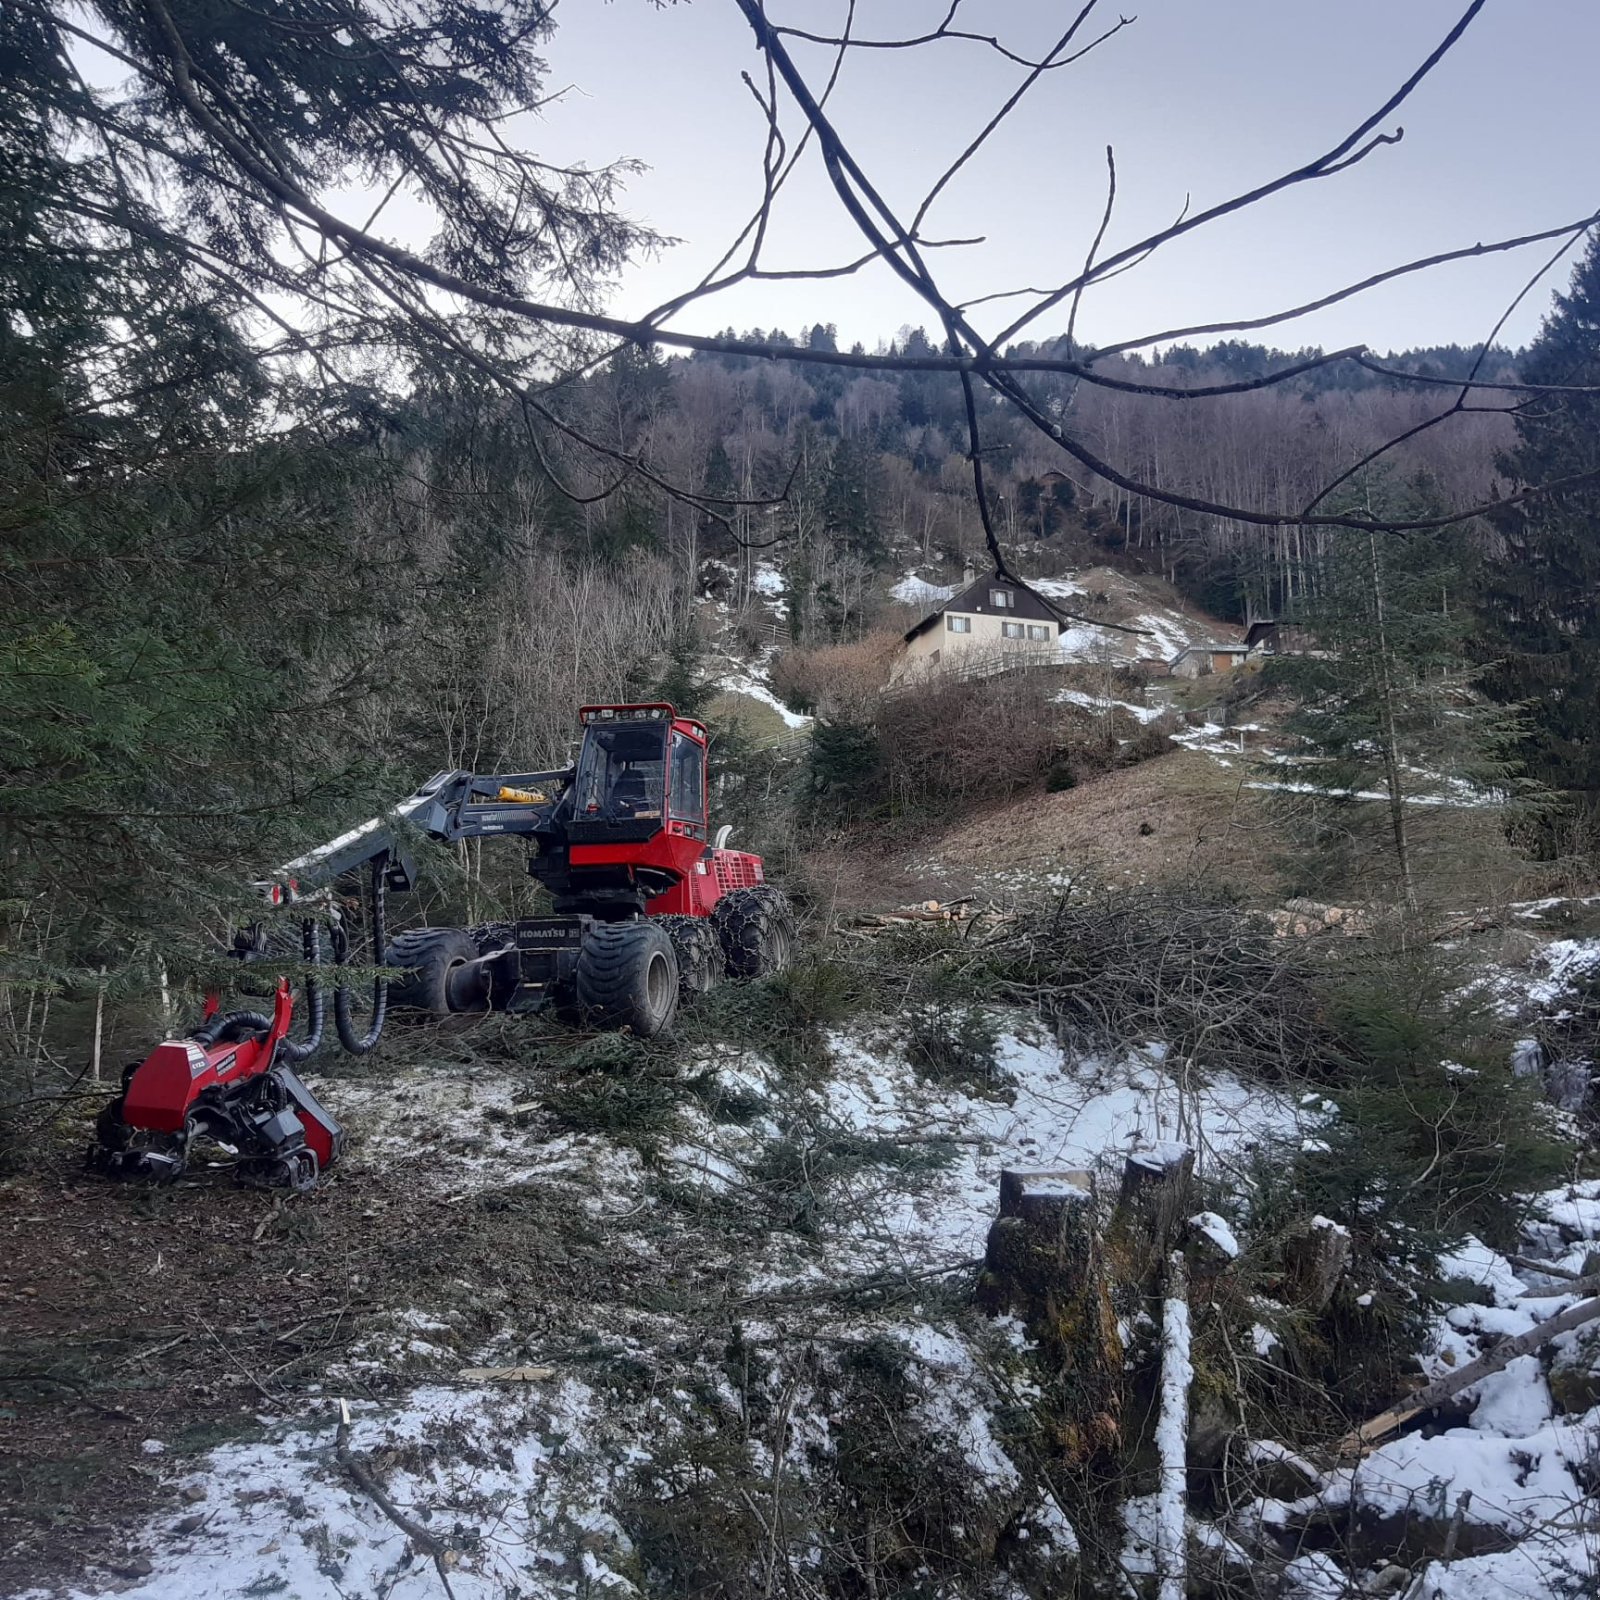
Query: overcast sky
pixel 1200 98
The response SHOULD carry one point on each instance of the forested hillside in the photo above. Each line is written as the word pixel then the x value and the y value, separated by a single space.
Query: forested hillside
pixel 1099 1131
pixel 880 469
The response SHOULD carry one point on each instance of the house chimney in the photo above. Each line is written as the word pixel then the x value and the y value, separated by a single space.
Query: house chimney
pixel 969 573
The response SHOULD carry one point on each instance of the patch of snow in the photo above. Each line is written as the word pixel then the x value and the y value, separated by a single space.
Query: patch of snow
pixel 1139 1520
pixel 1560 964
pixel 1517 1483
pixel 1080 642
pixel 1314 1576
pixel 914 591
pixel 1101 705
pixel 1217 1231
pixel 1556 1563
pixel 745 683
pixel 1514 1402
pixel 954 1403
pixel 283 1519
pixel 1474 1262
pixel 1057 588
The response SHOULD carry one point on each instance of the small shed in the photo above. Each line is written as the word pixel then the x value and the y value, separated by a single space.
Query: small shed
pixel 1271 637
pixel 1201 660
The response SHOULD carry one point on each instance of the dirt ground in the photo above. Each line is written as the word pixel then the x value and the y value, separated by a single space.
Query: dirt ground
pixel 1178 818
pixel 1186 819
pixel 195 1313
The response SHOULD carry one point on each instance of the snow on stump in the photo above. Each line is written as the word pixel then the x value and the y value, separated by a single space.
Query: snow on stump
pixel 1213 1245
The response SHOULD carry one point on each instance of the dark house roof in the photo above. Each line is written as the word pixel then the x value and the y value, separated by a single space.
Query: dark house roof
pixel 974 600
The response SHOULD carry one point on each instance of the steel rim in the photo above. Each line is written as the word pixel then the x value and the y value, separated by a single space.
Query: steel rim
pixel 656 981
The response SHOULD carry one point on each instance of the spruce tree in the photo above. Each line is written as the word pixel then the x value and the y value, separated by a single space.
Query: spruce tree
pixel 1540 594
pixel 1386 703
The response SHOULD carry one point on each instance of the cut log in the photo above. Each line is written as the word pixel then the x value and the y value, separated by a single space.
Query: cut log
pixel 1426 1398
pixel 1578 1286
pixel 1172 1437
pixel 1548 1268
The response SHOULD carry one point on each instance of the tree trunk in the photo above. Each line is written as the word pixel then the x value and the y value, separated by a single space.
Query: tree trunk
pixel 1391 747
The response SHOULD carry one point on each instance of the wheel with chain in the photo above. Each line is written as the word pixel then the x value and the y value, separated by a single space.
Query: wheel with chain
pixel 756 930
pixel 699 953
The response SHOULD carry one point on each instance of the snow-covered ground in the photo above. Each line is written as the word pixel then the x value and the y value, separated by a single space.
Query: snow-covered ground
pixel 1520 1471
pixel 523 1478
pixel 1101 704
pixel 740 679
pixel 914 591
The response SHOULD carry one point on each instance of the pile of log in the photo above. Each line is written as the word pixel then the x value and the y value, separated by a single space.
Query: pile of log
pixel 1300 918
pixel 965 913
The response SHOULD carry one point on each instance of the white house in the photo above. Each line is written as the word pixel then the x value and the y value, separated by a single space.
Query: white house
pixel 987 620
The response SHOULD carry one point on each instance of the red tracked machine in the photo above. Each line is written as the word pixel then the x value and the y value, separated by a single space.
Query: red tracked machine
pixel 647 910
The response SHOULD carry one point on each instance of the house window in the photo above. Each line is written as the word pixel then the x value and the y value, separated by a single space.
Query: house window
pixel 1002 599
pixel 958 624
pixel 1039 631
pixel 1012 630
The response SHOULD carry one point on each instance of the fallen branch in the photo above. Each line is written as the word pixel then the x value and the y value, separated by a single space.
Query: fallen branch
pixel 1452 1383
pixel 878 1281
pixel 356 1470
pixel 1576 1285
pixel 1172 1437
pixel 1548 1268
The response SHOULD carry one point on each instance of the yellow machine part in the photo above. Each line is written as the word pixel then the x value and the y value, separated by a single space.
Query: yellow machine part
pixel 527 797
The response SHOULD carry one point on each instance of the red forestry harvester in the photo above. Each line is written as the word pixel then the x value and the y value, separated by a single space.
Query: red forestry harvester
pixel 647 910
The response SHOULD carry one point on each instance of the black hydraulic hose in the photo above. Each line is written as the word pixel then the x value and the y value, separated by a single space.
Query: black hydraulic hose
pixel 230 1028
pixel 311 945
pixel 360 1044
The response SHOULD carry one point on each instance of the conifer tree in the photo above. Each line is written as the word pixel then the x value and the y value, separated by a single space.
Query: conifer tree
pixel 1540 594
pixel 1386 699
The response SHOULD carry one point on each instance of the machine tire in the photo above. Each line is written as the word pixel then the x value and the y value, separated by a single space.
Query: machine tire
pixel 756 930
pixel 699 953
pixel 628 978
pixel 434 982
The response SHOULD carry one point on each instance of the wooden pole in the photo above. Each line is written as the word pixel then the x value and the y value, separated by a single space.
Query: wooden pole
pixel 1453 1382
pixel 99 1026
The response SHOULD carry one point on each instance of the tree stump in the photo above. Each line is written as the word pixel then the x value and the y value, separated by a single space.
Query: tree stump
pixel 1043 1265
pixel 1153 1208
pixel 1314 1260
pixel 1042 1244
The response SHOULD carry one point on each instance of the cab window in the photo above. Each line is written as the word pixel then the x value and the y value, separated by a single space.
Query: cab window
pixel 620 773
pixel 688 793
